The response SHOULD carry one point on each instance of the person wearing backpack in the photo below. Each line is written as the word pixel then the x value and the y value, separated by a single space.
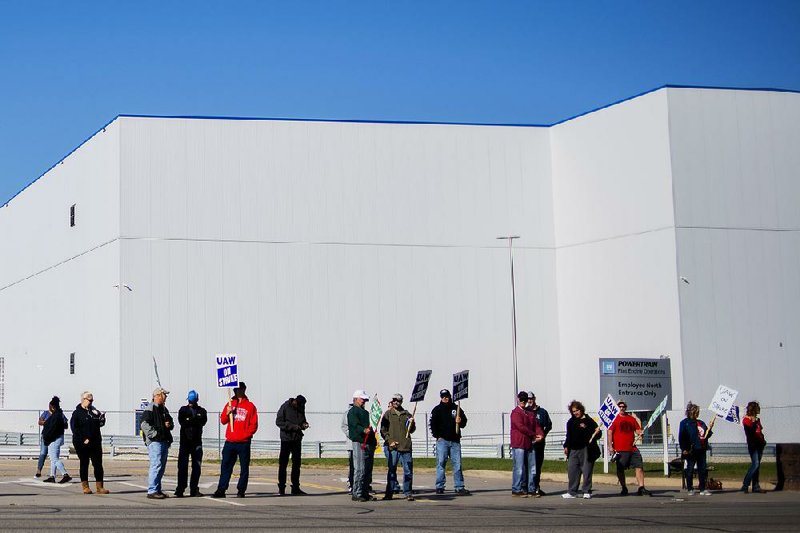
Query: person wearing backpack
pixel 693 436
pixel 53 438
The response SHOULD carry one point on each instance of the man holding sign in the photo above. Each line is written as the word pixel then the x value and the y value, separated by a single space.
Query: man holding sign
pixel 622 436
pixel 446 423
pixel 241 417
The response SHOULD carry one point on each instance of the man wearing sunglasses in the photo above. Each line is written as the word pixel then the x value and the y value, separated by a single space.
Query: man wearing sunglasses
pixel 622 436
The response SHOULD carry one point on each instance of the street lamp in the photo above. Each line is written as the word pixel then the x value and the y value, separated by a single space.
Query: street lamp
pixel 510 239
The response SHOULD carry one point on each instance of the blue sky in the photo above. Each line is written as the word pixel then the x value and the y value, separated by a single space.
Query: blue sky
pixel 67 68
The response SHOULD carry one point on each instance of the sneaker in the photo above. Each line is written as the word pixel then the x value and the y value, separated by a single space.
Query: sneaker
pixel 218 494
pixel 587 495
pixel 410 498
pixel 624 491
pixel 298 492
pixel 690 492
pixel 155 496
pixel 388 496
pixel 196 494
pixel 66 479
pixel 178 494
pixel 439 491
pixel 519 494
pixel 705 493
pixel 38 474
pixel 759 490
pixel 537 494
pixel 463 492
pixel 568 496
pixel 540 492
pixel 643 492
pixel 240 494
pixel 163 495
pixel 50 479
pixel 744 490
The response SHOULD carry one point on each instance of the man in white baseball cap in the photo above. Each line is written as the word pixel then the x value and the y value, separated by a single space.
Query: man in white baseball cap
pixel 363 442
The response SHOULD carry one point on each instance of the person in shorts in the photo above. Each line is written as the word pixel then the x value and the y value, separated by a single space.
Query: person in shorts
pixel 622 436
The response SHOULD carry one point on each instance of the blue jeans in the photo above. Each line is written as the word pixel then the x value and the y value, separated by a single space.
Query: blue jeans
pixel 445 449
pixel 157 451
pixel 393 457
pixel 522 459
pixel 752 472
pixel 363 460
pixel 54 450
pixel 42 455
pixel 230 452
pixel 696 457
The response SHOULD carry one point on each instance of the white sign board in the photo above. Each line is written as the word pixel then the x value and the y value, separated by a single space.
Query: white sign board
pixel 723 400
pixel 608 411
pixel 227 371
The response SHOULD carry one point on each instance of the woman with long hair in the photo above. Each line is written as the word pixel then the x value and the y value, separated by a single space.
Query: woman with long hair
pixel 754 432
pixel 582 432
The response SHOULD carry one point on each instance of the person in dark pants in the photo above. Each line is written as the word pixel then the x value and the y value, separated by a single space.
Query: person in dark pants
pixel 85 423
pixel 191 418
pixel 544 422
pixel 241 417
pixel 291 418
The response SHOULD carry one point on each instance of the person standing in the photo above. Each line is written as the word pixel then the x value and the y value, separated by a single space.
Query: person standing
pixel 363 442
pixel 581 434
pixel 346 431
pixel 621 438
pixel 85 422
pixel 524 431
pixel 544 422
pixel 43 416
pixel 693 435
pixel 238 437
pixel 291 418
pixel 53 438
pixel 756 442
pixel 191 418
pixel 397 425
pixel 445 417
pixel 157 428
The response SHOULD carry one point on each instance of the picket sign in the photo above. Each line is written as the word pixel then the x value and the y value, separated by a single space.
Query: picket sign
pixel 227 374
pixel 418 393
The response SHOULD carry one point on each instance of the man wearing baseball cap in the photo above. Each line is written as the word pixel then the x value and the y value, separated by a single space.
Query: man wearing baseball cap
pixel 157 431
pixel 191 418
pixel 363 442
pixel 444 419
pixel 397 425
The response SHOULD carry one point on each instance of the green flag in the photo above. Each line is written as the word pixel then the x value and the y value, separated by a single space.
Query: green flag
pixel 375 412
pixel 657 412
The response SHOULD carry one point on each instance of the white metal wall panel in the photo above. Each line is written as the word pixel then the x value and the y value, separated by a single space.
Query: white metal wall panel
pixel 611 172
pixel 325 319
pixel 617 298
pixel 334 182
pixel 71 308
pixel 735 158
pixel 34 227
pixel 739 313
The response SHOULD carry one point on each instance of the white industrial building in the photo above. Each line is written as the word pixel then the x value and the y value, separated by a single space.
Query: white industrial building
pixel 339 255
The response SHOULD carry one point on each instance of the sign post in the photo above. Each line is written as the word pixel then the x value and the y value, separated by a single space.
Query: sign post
pixel 608 412
pixel 227 376
pixel 418 394
pixel 460 391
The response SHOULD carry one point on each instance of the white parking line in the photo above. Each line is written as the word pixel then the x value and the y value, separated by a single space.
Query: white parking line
pixel 132 485
pixel 222 500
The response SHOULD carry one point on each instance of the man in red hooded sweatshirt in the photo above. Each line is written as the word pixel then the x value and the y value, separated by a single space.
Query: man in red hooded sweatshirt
pixel 237 440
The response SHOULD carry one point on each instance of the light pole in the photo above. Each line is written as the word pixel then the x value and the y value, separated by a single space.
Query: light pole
pixel 510 239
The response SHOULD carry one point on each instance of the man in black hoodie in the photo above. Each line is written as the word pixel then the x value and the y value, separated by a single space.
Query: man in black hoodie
pixel 192 418
pixel 445 417
pixel 291 418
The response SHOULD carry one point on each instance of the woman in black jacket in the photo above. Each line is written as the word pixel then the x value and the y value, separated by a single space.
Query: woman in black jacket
pixel 582 433
pixel 53 438
pixel 86 422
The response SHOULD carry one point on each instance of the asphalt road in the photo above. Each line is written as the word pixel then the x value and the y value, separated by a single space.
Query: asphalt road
pixel 29 504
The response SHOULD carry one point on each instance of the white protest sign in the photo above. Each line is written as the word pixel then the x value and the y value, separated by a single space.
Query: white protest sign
pixel 227 370
pixel 608 411
pixel 723 400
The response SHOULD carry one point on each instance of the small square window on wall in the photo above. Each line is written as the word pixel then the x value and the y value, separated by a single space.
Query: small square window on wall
pixel 72 216
pixel 72 363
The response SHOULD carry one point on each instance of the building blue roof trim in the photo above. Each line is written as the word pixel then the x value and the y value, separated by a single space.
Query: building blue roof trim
pixel 354 121
pixel 87 139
